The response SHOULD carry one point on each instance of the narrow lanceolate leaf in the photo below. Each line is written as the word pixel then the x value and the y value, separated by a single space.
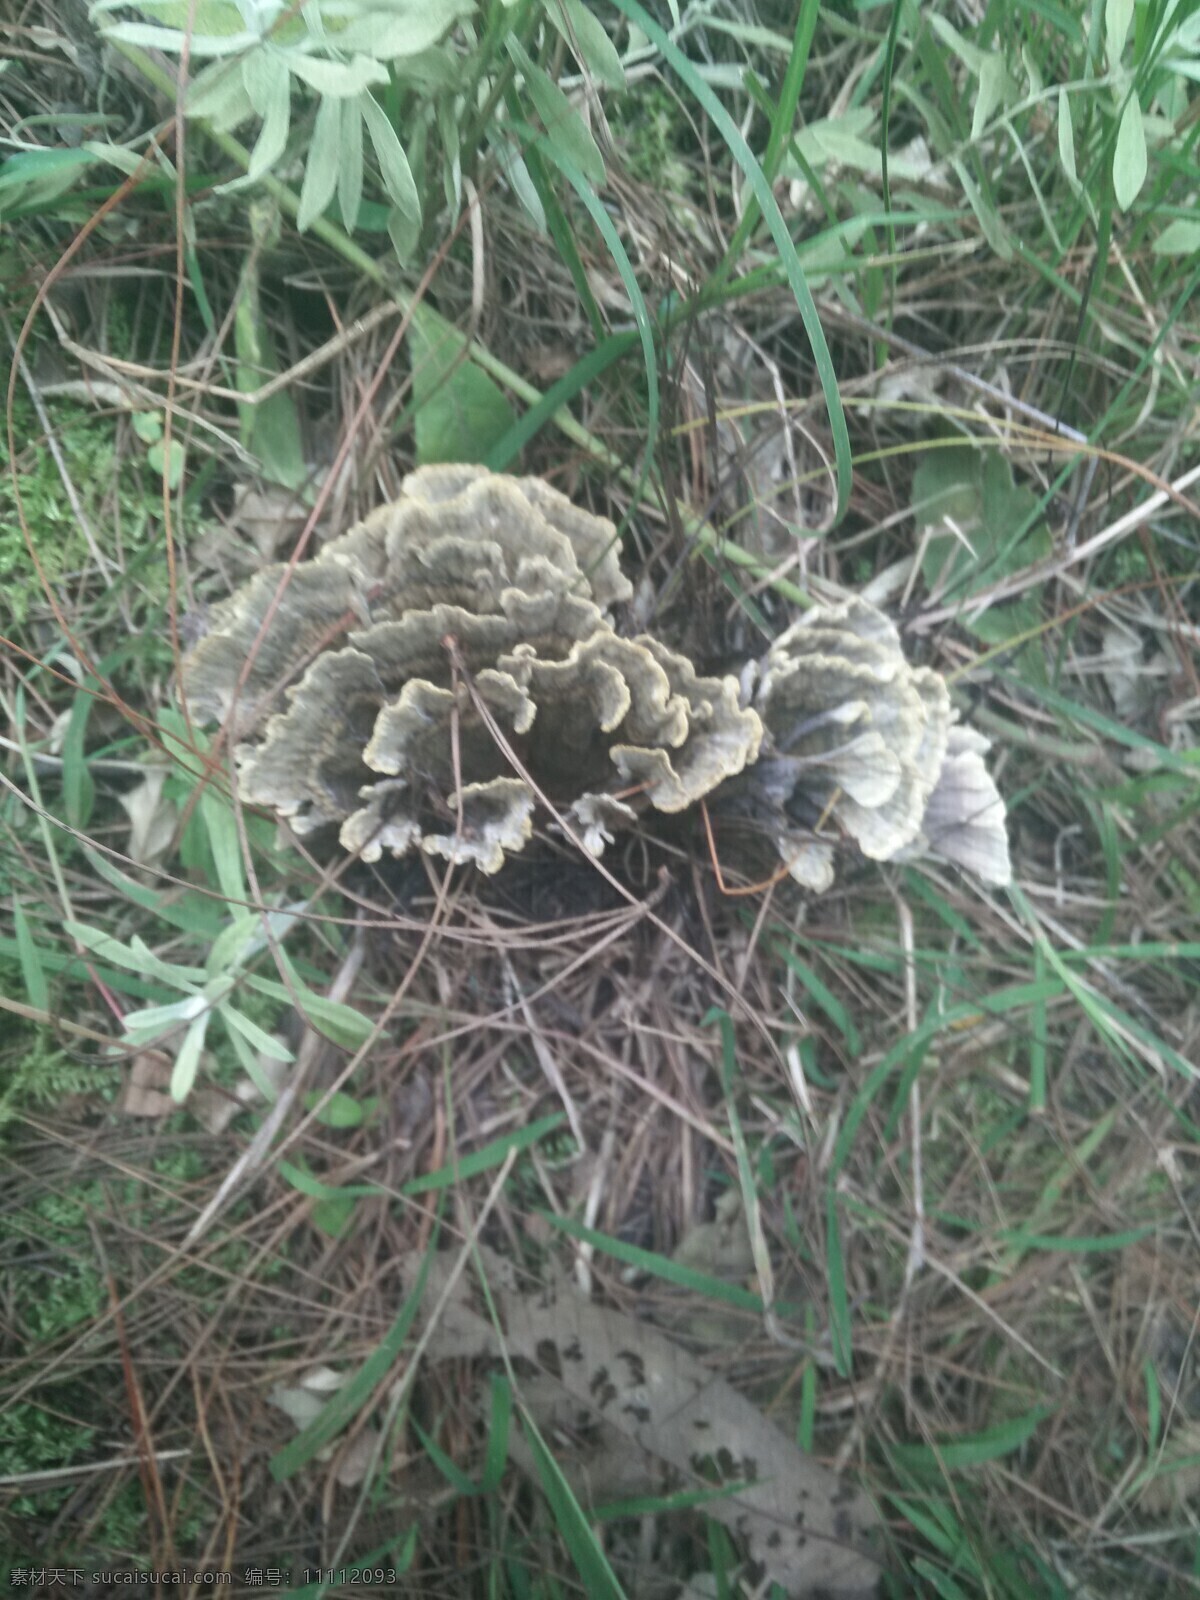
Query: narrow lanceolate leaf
pixel 221 827
pixel 338 78
pixel 393 163
pixel 219 95
pixel 994 86
pixel 37 990
pixel 151 1021
pixel 404 232
pixel 350 176
pixel 134 960
pixel 321 168
pixel 523 186
pixel 585 34
pixel 265 1043
pixel 559 117
pixel 187 1062
pixel 266 79
pixel 1066 138
pixel 222 18
pixel 148 37
pixel 402 30
pixel 1129 158
pixel 1118 14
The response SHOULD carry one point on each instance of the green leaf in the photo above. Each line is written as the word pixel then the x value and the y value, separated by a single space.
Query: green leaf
pixel 270 427
pixel 321 168
pixel 976 495
pixel 559 117
pixel 167 463
pixel 490 1155
pixel 1129 157
pixel 1075 1244
pixel 523 186
pixel 1118 14
pixel 585 371
pixel 79 792
pixel 35 164
pixel 149 37
pixel 585 34
pixel 841 1335
pixel 625 271
pixel 249 1061
pixel 599 1580
pixel 393 163
pixel 405 232
pixel 37 990
pixel 187 1062
pixel 988 217
pixel 233 943
pixel 266 1044
pixel 823 997
pixel 971 56
pixel 992 1444
pixel 219 95
pixel 1066 139
pixel 300 1178
pixel 1179 238
pixel 460 413
pixel 413 28
pixel 139 960
pixel 339 1022
pixel 336 79
pixel 149 1021
pixel 346 1402
pixel 452 159
pixel 266 80
pixel 38 177
pixel 218 17
pixel 339 1111
pixel 334 1216
pixel 779 231
pixel 350 175
pixel 996 89
pixel 195 913
pixel 497 1434
pixel 669 1271
pixel 1018 621
pixel 220 824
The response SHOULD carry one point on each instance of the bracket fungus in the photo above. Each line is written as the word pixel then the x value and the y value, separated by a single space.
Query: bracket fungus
pixel 860 737
pixel 368 687
pixel 450 662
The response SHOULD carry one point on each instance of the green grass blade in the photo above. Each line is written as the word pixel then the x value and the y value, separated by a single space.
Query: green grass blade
pixel 773 217
pixel 487 1156
pixel 33 973
pixel 586 370
pixel 841 1337
pixel 498 1430
pixel 659 1266
pixel 641 316
pixel 992 1444
pixel 599 1580
pixel 347 1401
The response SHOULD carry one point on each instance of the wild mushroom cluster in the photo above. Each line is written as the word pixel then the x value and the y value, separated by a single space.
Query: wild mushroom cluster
pixel 451 663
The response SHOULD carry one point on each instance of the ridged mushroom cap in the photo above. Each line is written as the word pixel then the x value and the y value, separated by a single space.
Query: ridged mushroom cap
pixel 862 740
pixel 380 684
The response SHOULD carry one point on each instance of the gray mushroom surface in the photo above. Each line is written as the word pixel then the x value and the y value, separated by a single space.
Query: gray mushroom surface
pixel 451 662
pixel 366 688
